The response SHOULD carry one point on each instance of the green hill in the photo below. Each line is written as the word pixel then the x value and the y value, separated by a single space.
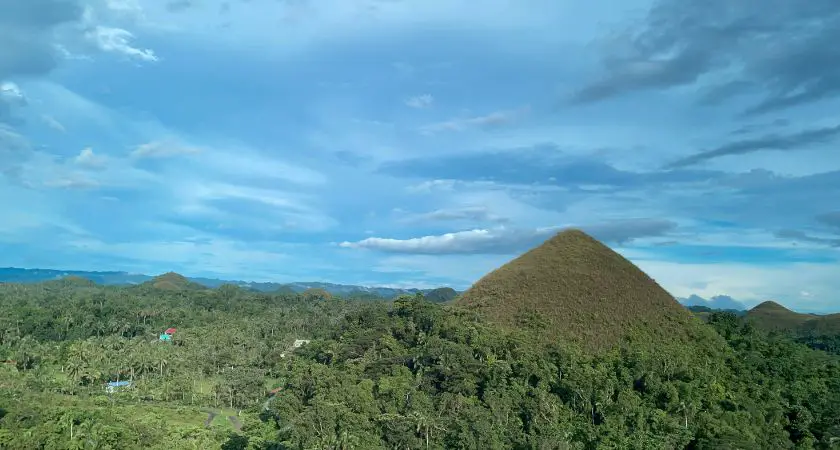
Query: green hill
pixel 172 281
pixel 316 294
pixel 576 288
pixel 441 295
pixel 284 289
pixel 771 316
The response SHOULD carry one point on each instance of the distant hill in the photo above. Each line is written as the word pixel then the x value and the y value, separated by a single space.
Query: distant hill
pixel 17 275
pixel 441 295
pixel 576 288
pixel 172 281
pixel 284 289
pixel 772 316
pixel 317 294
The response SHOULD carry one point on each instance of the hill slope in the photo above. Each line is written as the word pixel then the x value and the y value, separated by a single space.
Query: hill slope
pixel 441 295
pixel 172 281
pixel 578 289
pixel 771 316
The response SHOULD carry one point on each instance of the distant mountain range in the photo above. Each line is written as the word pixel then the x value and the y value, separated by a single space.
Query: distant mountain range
pixel 113 278
pixel 18 275
pixel 723 302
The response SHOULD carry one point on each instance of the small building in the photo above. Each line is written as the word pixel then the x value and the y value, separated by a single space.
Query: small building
pixel 167 335
pixel 114 386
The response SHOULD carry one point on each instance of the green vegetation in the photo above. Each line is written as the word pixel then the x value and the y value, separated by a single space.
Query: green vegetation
pixel 704 313
pixel 772 316
pixel 407 374
pixel 821 332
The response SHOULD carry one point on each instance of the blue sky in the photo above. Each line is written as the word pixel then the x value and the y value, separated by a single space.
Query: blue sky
pixel 424 143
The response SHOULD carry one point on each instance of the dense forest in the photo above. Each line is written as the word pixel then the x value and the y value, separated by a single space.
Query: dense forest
pixel 401 374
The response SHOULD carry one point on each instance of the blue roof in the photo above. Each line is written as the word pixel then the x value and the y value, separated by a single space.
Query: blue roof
pixel 119 383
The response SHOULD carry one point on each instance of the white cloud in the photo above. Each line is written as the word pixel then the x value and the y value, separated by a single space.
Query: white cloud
pixel 29 213
pixel 53 123
pixel 161 149
pixel 11 93
pixel 255 165
pixel 460 271
pixel 72 181
pixel 269 209
pixel 420 101
pixel 432 185
pixel 197 255
pixel 497 240
pixel 491 120
pixel 87 158
pixel 508 240
pixel 468 213
pixel 118 40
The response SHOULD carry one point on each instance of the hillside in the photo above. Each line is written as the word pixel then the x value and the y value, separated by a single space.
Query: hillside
pixel 441 295
pixel 173 282
pixel 576 288
pixel 771 316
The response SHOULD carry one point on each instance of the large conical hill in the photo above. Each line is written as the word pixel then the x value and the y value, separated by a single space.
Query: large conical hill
pixel 576 288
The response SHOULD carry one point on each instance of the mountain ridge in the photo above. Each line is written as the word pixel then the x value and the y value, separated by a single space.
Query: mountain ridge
pixel 717 302
pixel 121 278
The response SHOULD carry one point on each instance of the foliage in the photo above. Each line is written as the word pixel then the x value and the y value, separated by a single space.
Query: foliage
pixel 403 374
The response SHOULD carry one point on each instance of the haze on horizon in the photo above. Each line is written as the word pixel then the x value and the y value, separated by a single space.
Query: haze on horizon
pixel 424 143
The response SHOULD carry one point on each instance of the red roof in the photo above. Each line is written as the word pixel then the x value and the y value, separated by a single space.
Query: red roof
pixel 170 331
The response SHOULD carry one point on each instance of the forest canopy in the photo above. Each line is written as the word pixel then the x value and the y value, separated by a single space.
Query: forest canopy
pixel 407 373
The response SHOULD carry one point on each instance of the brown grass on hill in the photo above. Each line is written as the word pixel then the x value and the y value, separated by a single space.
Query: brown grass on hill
pixel 575 288
pixel 316 294
pixel 172 281
pixel 771 316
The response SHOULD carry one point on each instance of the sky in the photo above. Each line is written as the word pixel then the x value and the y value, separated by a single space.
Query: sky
pixel 421 143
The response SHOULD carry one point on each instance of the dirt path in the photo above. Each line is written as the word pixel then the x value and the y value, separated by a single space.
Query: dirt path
pixel 210 416
pixel 237 425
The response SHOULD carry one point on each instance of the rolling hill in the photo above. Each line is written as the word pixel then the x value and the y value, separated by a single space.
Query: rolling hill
pixel 574 287
pixel 172 281
pixel 441 295
pixel 771 316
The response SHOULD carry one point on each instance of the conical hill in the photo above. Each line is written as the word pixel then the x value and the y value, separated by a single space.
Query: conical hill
pixel 576 288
